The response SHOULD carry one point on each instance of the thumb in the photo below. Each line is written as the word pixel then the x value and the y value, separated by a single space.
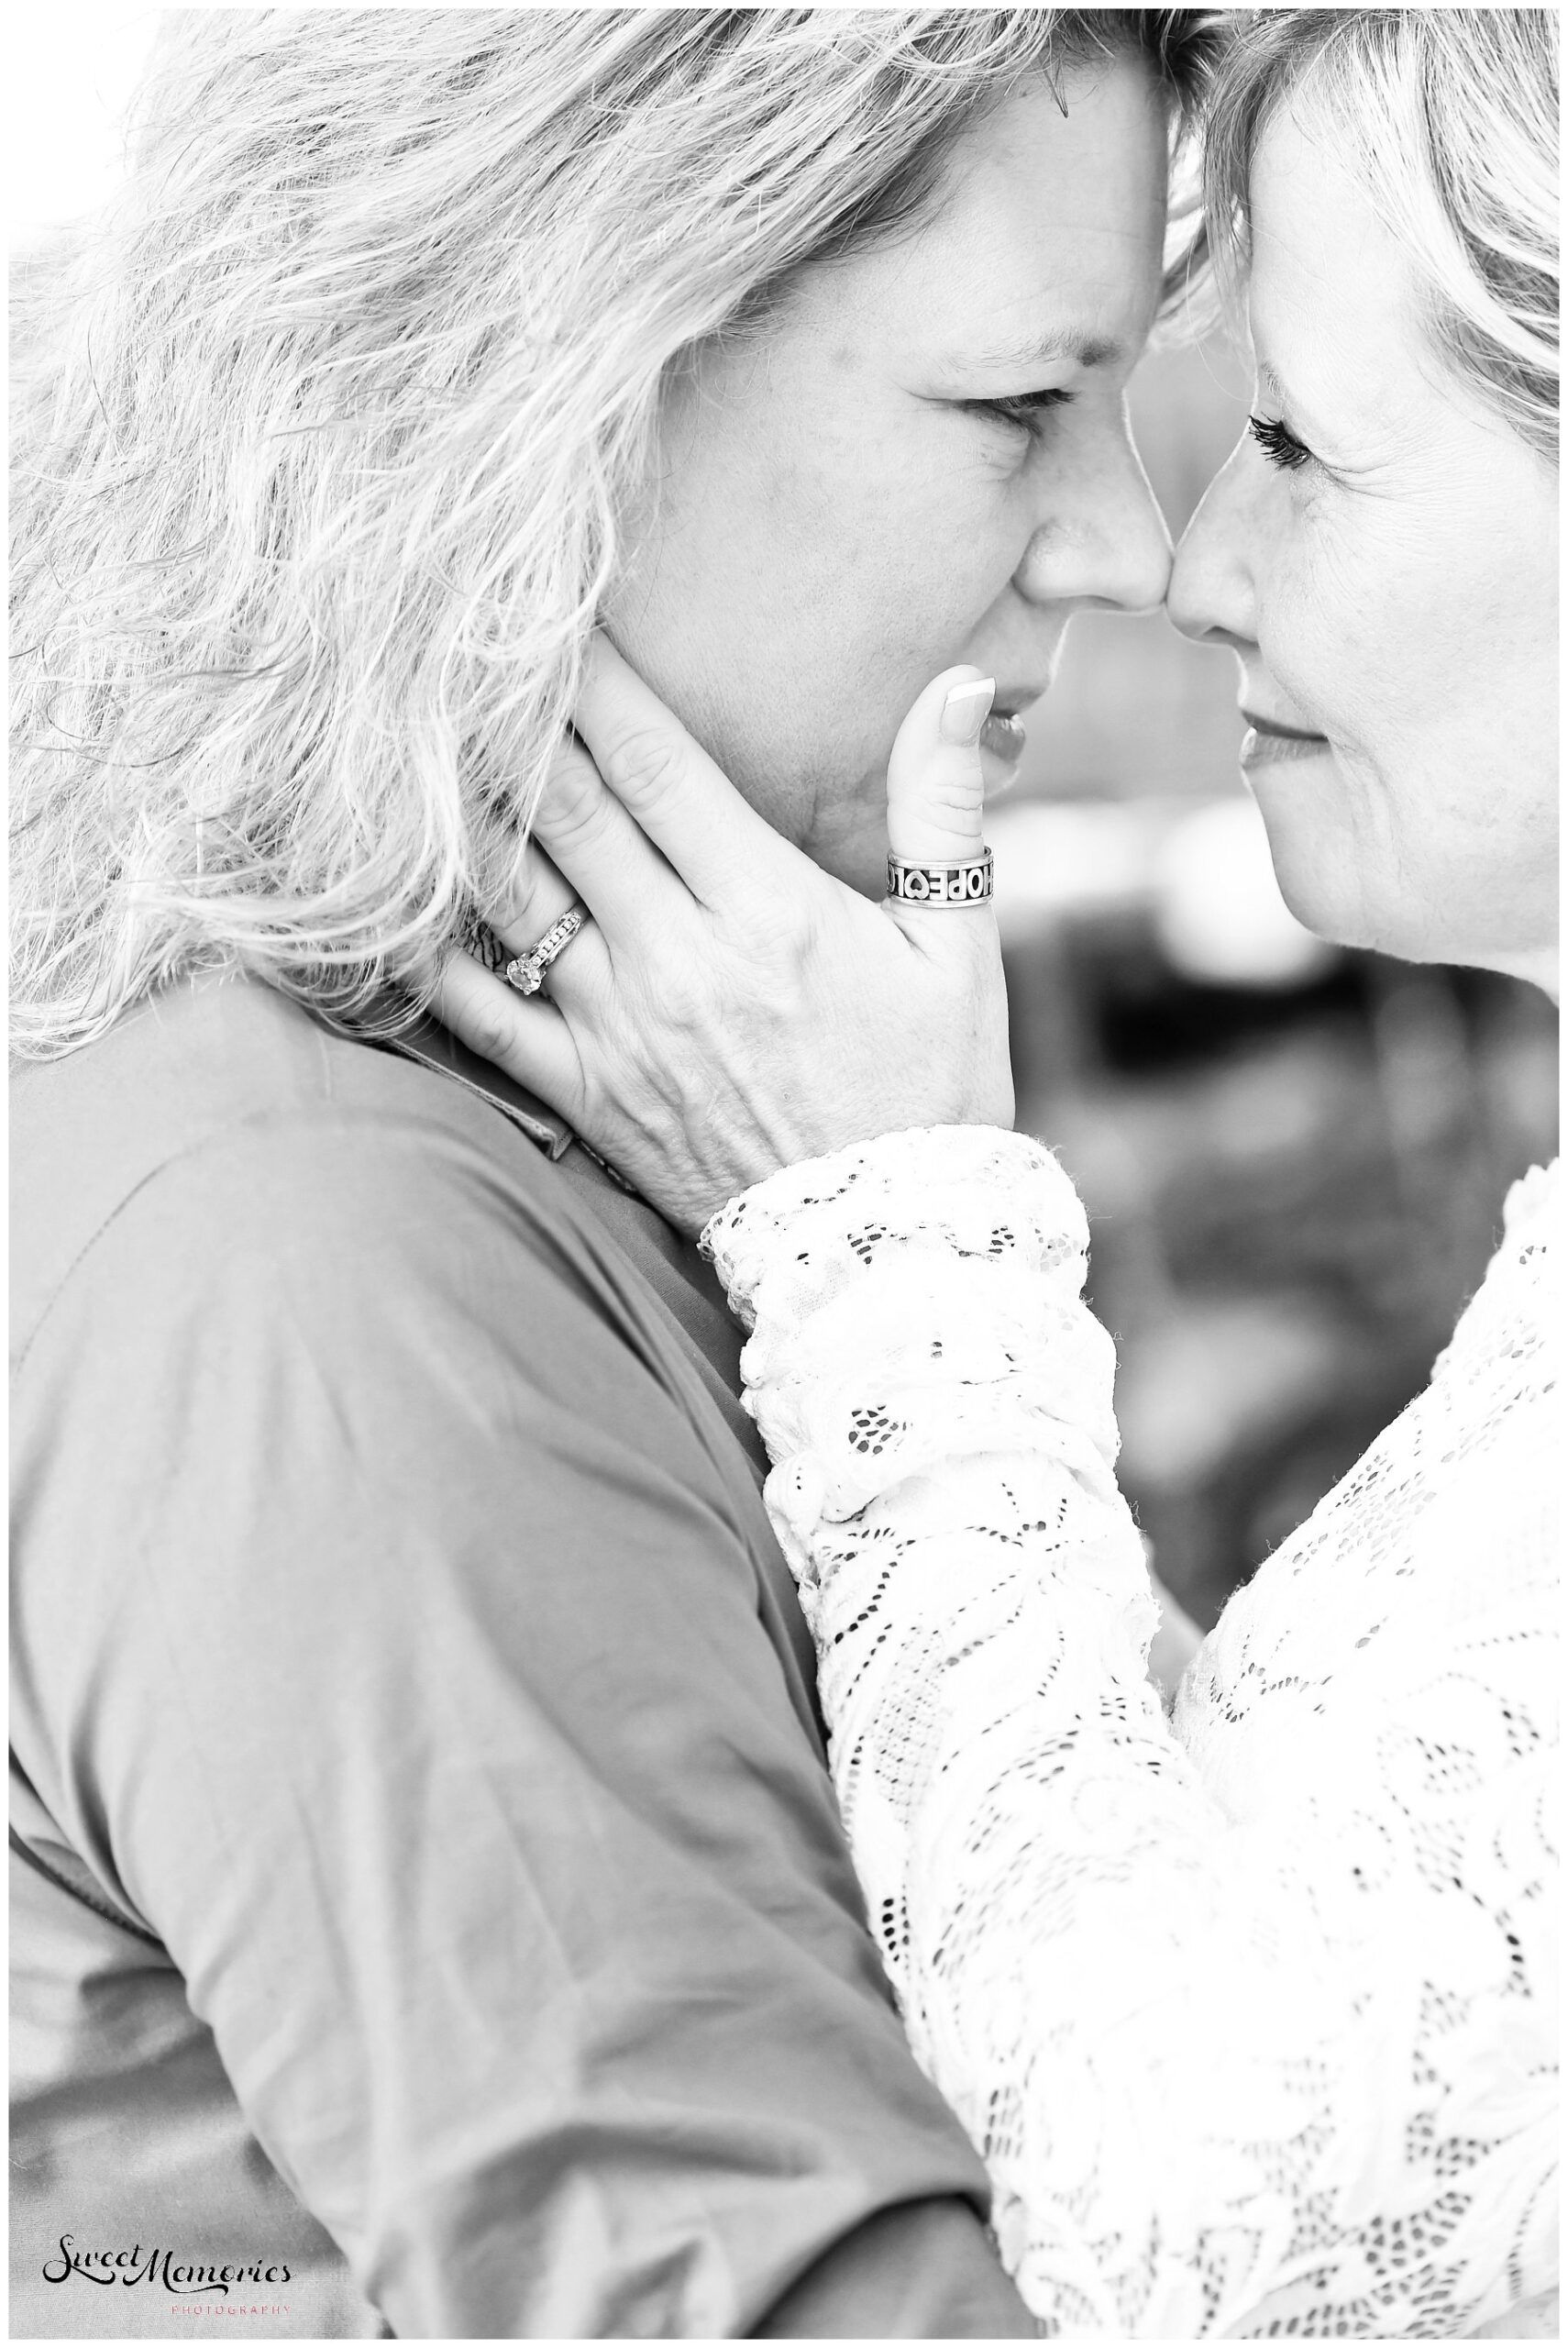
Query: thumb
pixel 935 789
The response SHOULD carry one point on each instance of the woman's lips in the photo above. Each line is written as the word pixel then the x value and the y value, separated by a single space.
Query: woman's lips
pixel 1267 741
pixel 1003 736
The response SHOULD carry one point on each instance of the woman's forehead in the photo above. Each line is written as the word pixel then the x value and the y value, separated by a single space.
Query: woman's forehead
pixel 1045 244
pixel 1331 295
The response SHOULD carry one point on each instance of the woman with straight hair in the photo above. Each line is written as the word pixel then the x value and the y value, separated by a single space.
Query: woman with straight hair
pixel 1249 2007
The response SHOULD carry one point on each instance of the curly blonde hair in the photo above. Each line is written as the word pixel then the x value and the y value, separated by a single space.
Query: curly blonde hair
pixel 323 428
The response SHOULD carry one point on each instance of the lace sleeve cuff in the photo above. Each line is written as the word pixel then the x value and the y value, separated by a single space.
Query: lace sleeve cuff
pixel 976 1190
pixel 912 1301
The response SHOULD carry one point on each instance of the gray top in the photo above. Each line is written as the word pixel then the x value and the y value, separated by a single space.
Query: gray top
pixel 426 1886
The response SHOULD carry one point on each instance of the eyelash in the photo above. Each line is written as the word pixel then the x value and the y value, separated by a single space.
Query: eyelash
pixel 1278 442
pixel 1028 408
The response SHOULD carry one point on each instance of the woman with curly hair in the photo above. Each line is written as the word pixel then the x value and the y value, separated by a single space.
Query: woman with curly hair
pixel 430 1911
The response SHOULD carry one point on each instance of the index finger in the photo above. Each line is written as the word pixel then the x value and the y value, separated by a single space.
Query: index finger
pixel 669 784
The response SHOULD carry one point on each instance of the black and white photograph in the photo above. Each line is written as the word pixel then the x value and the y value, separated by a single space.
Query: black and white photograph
pixel 783 883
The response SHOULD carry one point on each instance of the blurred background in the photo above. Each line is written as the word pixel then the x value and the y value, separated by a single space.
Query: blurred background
pixel 1293 1158
pixel 70 73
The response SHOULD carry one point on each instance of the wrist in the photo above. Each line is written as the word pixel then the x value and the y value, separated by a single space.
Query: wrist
pixel 976 1190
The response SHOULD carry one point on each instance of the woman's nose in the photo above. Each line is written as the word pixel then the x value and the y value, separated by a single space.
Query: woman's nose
pixel 1107 546
pixel 1213 587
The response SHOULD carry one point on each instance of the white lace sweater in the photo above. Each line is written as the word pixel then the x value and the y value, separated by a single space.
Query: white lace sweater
pixel 1249 2010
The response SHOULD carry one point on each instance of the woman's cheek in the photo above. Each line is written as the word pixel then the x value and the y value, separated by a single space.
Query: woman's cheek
pixel 1289 638
pixel 1322 625
pixel 951 566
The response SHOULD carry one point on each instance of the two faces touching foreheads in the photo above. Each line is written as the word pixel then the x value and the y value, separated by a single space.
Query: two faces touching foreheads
pixel 925 458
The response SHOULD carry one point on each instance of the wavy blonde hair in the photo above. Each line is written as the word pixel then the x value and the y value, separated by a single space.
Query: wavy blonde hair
pixel 1449 117
pixel 323 429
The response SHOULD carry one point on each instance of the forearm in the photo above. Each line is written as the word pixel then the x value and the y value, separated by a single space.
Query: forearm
pixel 1174 2033
pixel 1142 2017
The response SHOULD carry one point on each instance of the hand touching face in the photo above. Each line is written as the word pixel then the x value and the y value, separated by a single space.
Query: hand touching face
pixel 1381 553
pixel 922 459
pixel 728 1008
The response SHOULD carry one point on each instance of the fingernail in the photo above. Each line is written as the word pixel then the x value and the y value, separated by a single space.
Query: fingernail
pixel 965 710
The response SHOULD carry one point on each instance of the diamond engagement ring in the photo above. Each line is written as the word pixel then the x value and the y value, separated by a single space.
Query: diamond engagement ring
pixel 970 883
pixel 526 971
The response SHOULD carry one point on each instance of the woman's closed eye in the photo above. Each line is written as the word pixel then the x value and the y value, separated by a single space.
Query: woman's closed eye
pixel 1278 442
pixel 1027 409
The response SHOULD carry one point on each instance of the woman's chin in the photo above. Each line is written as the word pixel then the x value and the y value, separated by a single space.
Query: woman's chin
pixel 1333 889
pixel 1323 895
